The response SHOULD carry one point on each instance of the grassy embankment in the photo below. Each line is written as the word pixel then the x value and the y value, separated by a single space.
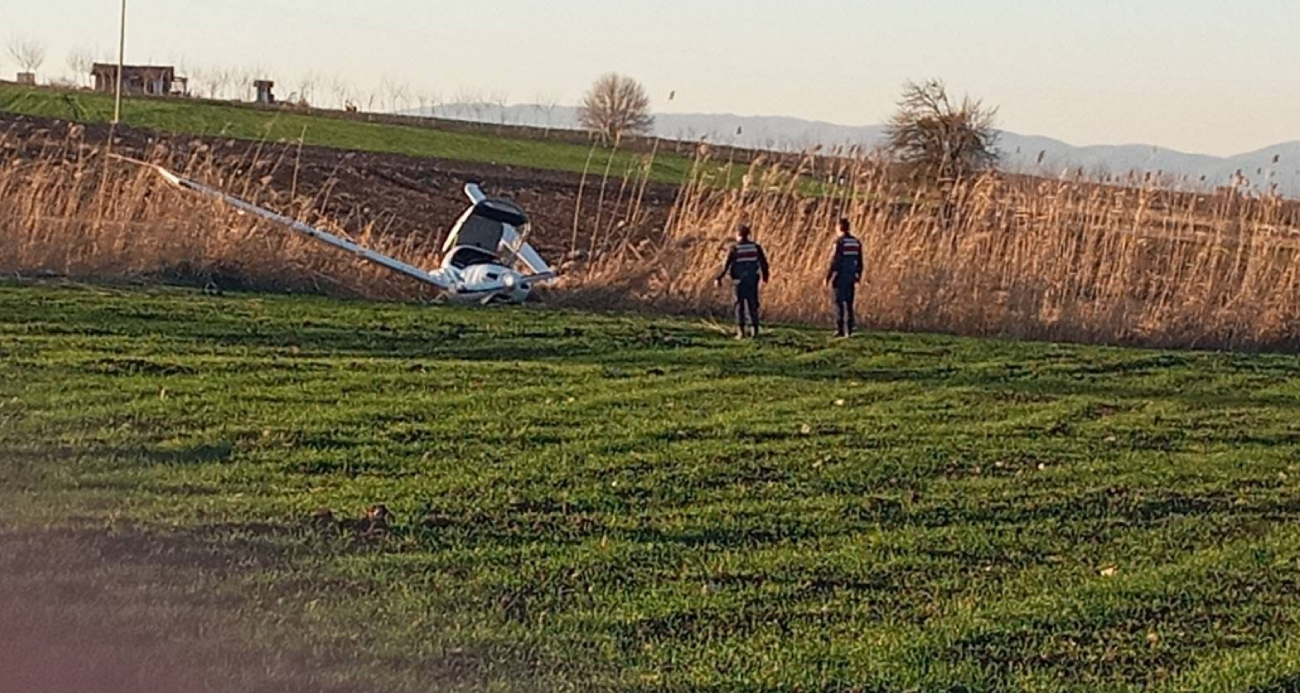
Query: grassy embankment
pixel 208 118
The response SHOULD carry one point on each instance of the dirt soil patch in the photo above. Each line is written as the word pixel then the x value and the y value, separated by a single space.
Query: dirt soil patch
pixel 94 611
pixel 405 195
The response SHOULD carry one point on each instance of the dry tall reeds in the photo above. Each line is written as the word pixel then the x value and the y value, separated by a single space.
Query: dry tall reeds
pixel 1018 257
pixel 71 211
pixel 997 256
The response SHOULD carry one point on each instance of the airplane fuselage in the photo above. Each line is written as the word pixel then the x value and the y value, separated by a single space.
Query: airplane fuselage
pixel 485 283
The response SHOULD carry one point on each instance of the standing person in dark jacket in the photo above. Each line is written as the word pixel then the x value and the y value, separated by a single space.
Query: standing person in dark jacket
pixel 747 266
pixel 845 274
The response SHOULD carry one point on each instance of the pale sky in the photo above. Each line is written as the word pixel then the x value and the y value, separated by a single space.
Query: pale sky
pixel 1211 76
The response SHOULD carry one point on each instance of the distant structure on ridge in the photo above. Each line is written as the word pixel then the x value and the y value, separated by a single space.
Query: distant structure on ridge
pixel 140 80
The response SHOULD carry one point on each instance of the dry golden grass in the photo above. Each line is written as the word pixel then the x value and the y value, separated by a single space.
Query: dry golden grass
pixel 999 256
pixel 71 211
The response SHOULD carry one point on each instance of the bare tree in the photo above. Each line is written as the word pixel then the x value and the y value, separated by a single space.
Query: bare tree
pixel 545 105
pixel 475 105
pixel 402 95
pixel 183 73
pixel 29 54
pixel 941 140
pixel 245 89
pixel 616 106
pixel 209 81
pixel 307 88
pixel 81 61
pixel 338 92
pixel 429 103
pixel 468 103
pixel 221 80
pixel 392 93
pixel 499 101
pixel 341 91
pixel 199 83
pixel 386 97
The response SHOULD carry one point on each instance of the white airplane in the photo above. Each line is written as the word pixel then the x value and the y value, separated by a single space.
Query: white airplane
pixel 482 258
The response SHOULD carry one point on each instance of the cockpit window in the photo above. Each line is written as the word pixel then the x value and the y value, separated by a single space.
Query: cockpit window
pixel 468 257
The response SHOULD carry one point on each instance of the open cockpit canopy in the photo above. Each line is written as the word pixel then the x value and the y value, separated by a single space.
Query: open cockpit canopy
pixel 486 225
pixel 493 227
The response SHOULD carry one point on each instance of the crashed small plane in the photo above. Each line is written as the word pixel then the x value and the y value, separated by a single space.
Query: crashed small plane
pixel 486 258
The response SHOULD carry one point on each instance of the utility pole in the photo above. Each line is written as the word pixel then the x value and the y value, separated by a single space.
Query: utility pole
pixel 121 60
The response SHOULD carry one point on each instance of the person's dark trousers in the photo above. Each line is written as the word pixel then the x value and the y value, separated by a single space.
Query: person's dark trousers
pixel 746 303
pixel 846 294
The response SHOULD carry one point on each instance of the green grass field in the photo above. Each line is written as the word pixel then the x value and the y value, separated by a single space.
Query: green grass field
pixel 240 122
pixel 594 502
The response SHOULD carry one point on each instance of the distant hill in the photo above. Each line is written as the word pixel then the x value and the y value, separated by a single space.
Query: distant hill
pixel 1278 164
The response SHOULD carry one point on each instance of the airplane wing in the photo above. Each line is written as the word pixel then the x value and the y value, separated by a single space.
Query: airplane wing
pixel 298 227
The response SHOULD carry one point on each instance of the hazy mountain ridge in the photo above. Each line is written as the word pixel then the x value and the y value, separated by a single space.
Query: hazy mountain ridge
pixel 1278 164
